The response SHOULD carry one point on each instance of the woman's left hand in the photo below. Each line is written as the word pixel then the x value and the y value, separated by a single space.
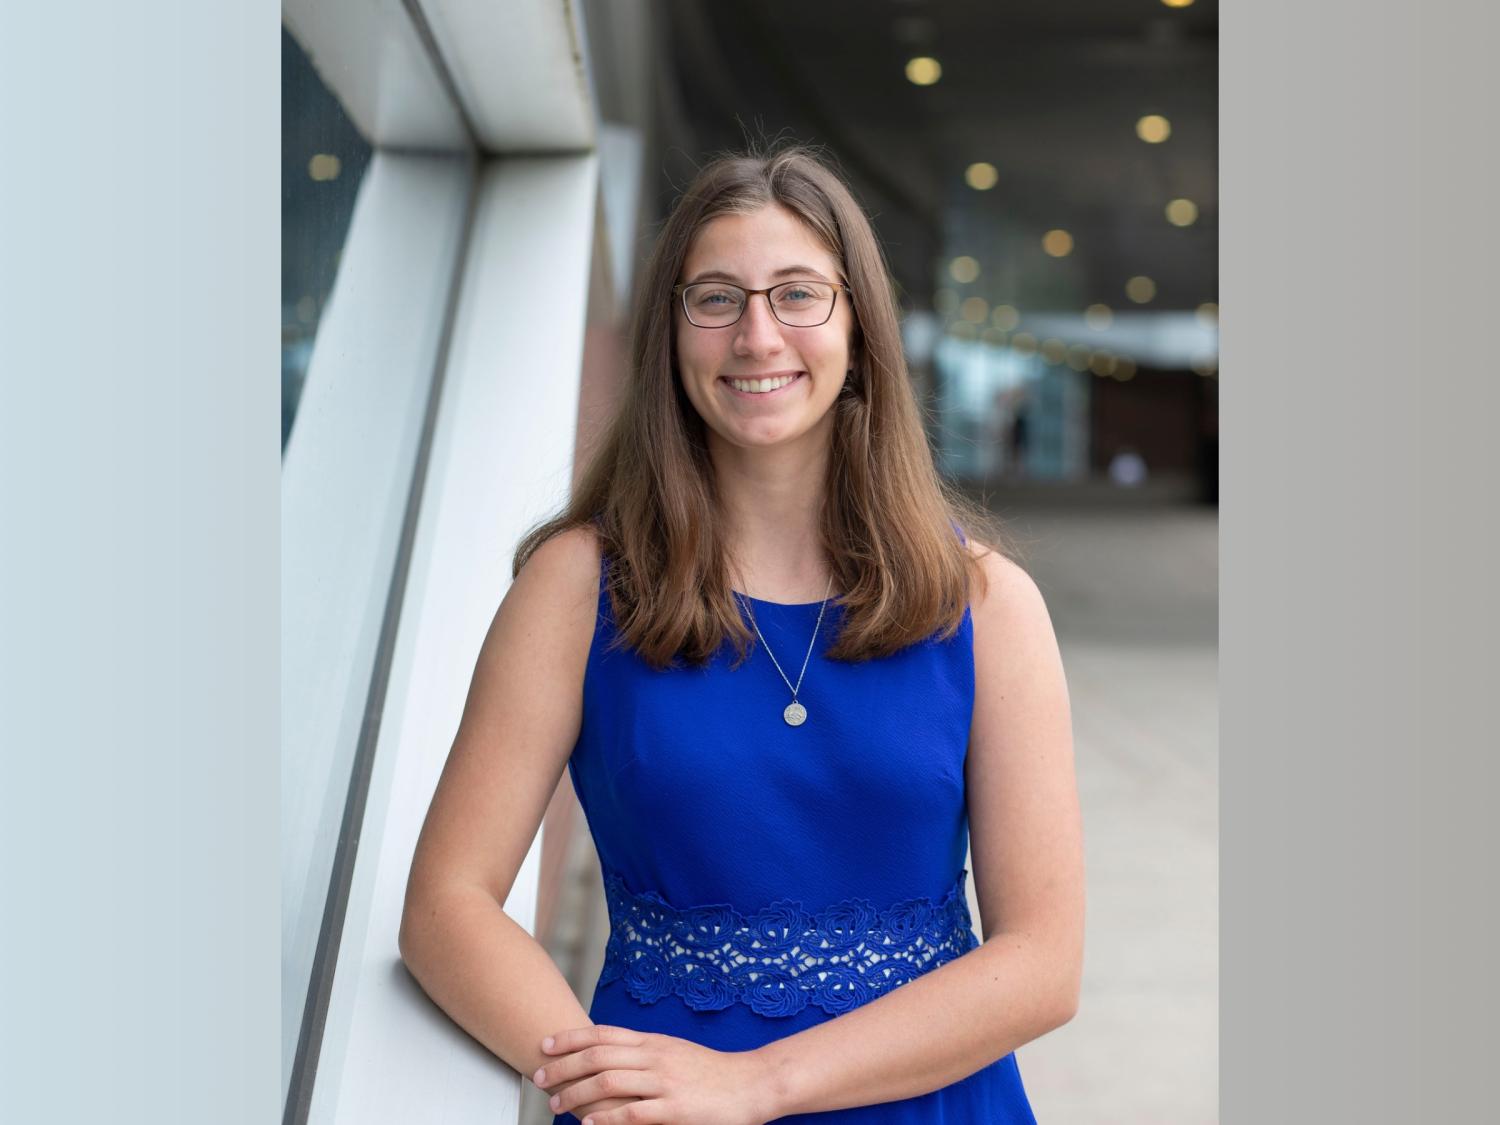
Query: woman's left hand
pixel 679 1082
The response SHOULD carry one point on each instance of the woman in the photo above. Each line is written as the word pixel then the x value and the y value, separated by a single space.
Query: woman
pixel 790 686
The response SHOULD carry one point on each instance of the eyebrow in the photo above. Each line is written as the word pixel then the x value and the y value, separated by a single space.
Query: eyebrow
pixel 785 271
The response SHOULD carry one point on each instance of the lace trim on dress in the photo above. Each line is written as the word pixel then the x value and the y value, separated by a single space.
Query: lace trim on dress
pixel 781 958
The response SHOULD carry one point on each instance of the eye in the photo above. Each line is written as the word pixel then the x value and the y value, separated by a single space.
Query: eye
pixel 715 298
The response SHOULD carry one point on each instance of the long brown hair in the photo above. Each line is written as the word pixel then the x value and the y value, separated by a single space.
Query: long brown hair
pixel 889 520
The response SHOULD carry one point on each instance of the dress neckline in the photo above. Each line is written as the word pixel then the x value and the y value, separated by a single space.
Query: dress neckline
pixel 784 605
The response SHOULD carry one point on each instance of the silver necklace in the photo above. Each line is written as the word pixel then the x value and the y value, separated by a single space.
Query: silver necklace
pixel 795 714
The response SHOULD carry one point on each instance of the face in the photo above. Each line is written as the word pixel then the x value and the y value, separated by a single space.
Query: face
pixel 750 250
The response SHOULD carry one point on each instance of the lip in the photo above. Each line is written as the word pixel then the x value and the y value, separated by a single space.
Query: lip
pixel 728 386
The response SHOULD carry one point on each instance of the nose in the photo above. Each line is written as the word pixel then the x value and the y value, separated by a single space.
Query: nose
pixel 758 331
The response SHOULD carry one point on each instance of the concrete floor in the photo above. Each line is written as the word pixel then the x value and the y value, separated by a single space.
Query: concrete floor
pixel 1133 595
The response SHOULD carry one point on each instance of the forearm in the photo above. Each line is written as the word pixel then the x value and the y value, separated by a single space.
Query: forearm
pixel 925 1034
pixel 488 974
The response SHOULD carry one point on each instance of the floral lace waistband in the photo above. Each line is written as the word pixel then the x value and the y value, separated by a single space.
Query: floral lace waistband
pixel 781 958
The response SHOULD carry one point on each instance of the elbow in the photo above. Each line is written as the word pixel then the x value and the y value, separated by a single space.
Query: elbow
pixel 1067 995
pixel 1066 1009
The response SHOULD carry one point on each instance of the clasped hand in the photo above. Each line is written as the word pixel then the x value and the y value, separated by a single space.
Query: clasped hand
pixel 607 1075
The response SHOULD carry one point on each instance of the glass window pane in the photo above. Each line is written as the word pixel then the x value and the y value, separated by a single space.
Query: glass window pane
pixel 323 158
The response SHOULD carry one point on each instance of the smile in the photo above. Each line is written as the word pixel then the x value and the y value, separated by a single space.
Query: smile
pixel 761 388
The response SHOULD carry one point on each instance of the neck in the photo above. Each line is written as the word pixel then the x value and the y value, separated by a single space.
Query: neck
pixel 772 499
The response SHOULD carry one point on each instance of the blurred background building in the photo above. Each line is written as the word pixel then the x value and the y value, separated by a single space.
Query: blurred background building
pixel 466 195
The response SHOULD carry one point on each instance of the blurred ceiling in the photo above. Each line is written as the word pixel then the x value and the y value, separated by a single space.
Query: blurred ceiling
pixel 1047 91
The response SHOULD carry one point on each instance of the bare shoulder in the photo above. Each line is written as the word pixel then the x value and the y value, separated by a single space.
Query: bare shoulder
pixel 1009 593
pixel 559 583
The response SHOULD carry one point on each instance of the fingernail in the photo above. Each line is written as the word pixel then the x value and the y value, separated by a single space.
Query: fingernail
pixel 547 1043
pixel 588 1121
pixel 554 1100
pixel 540 1076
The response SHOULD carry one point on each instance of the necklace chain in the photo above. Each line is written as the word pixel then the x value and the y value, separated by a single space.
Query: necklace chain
pixel 810 643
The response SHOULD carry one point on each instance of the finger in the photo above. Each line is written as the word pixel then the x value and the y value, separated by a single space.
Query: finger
pixel 643 1112
pixel 600 1106
pixel 608 1084
pixel 576 1038
pixel 590 1060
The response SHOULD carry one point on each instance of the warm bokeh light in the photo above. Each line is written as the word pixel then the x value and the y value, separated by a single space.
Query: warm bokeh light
pixel 1078 357
pixel 1140 289
pixel 945 302
pixel 1102 363
pixel 1098 317
pixel 1006 317
pixel 981 176
pixel 1182 212
pixel 1023 343
pixel 993 336
pixel 324 166
pixel 1207 314
pixel 1208 365
pixel 963 269
pixel 1054 350
pixel 963 330
pixel 976 310
pixel 1124 368
pixel 1178 3
pixel 1153 128
pixel 1058 243
pixel 923 71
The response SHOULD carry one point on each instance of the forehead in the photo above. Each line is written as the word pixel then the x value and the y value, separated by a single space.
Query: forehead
pixel 753 249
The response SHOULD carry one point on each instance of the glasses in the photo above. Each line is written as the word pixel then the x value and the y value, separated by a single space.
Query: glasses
pixel 797 304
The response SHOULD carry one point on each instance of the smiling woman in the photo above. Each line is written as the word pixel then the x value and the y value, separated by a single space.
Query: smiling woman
pixel 781 784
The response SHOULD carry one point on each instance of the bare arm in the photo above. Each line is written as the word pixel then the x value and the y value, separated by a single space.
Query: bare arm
pixel 519 725
pixel 1027 844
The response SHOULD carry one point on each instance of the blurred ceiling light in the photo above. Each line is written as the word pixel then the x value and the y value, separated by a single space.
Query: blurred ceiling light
pixel 1006 317
pixel 1098 317
pixel 945 302
pixel 1023 343
pixel 1140 289
pixel 923 71
pixel 1178 3
pixel 981 176
pixel 1208 314
pixel 1153 128
pixel 963 269
pixel 976 310
pixel 1078 357
pixel 1054 350
pixel 1102 363
pixel 1058 243
pixel 1182 212
pixel 324 166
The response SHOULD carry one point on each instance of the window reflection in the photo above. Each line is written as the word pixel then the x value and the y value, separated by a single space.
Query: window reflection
pixel 323 158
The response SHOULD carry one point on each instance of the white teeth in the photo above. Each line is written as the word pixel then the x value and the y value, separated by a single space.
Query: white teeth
pixel 759 386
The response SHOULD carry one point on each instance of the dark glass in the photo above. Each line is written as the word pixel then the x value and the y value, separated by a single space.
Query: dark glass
pixel 797 304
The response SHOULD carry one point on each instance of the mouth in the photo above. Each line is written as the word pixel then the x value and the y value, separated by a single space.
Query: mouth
pixel 776 391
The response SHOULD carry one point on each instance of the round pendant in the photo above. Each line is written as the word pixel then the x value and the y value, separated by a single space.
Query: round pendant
pixel 795 714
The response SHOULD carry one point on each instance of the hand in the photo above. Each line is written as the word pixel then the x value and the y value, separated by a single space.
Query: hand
pixel 673 1081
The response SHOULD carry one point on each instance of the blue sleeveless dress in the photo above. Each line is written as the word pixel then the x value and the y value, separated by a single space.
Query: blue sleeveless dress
pixel 763 878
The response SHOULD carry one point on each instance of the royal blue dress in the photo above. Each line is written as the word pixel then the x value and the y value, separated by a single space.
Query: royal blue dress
pixel 763 878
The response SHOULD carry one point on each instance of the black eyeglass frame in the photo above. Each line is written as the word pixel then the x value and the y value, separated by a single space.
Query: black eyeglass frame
pixel 680 290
